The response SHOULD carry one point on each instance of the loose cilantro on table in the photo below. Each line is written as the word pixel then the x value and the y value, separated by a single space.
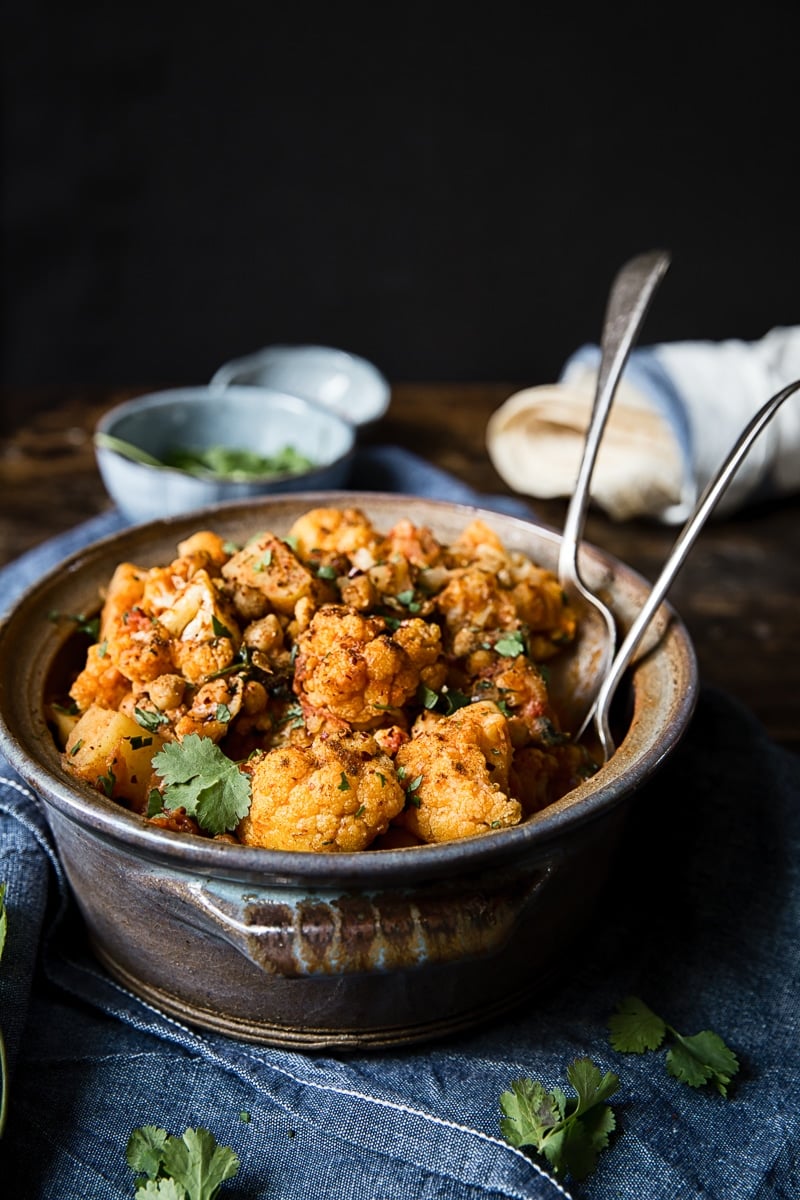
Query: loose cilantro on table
pixel 191 1167
pixel 199 777
pixel 569 1132
pixel 696 1060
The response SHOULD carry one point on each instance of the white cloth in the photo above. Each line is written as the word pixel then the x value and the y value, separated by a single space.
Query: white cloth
pixel 679 409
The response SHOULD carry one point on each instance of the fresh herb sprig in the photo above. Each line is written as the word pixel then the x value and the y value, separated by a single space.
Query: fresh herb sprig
pixel 696 1060
pixel 569 1131
pixel 191 1167
pixel 199 777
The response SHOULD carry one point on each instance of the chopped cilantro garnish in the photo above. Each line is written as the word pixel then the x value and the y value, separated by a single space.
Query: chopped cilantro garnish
pixel 362 808
pixel 220 630
pixel 263 562
pixel 137 743
pixel 511 644
pixel 106 782
pixel 326 572
pixel 229 462
pixel 150 719
pixel 344 785
pixel 155 803
pixel 88 625
pixel 407 600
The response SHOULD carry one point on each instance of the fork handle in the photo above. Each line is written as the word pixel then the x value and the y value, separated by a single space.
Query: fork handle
pixel 631 293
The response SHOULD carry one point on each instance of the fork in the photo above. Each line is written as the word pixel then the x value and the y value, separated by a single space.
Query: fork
pixel 712 493
pixel 629 299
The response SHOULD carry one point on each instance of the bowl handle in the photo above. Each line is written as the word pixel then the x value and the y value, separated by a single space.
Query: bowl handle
pixel 295 934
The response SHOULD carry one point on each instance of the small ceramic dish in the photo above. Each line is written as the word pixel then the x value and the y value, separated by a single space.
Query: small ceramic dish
pixel 345 383
pixel 262 421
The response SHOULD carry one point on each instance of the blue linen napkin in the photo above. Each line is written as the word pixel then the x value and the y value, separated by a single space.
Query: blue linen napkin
pixel 701 919
pixel 678 411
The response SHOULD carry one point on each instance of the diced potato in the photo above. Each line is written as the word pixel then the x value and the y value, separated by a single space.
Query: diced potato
pixel 113 753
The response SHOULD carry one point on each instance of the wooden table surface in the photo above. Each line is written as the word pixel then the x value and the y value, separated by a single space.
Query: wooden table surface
pixel 739 592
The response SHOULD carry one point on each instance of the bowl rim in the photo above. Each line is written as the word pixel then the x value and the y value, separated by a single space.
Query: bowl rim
pixel 108 420
pixel 81 804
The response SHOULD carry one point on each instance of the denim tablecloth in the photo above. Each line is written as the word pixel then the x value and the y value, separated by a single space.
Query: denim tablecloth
pixel 700 919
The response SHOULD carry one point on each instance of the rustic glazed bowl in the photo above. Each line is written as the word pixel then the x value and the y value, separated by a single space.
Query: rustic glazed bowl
pixel 331 951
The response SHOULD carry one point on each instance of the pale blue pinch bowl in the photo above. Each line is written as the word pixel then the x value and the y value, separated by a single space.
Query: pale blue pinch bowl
pixel 259 419
pixel 342 382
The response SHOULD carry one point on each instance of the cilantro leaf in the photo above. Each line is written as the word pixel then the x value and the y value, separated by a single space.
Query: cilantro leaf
pixel 702 1058
pixel 163 1189
pixel 191 1167
pixel 511 644
pixel 149 719
pixel 202 779
pixel 635 1027
pixel 144 1150
pixel 568 1132
pixel 198 1163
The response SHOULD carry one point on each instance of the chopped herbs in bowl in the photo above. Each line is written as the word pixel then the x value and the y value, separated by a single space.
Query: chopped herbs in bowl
pixel 229 462
pixel 221 462
pixel 182 449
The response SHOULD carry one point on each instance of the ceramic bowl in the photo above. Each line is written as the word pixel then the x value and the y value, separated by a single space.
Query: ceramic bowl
pixel 260 419
pixel 345 383
pixel 335 951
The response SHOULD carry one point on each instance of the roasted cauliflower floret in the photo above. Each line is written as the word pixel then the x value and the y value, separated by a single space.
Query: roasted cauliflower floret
pixel 199 611
pixel 540 775
pixel 205 545
pixel 349 667
pixel 473 601
pixel 477 542
pixel 332 531
pixel 456 775
pixel 416 543
pixel 516 684
pixel 124 592
pixel 138 645
pixel 100 681
pixel 338 794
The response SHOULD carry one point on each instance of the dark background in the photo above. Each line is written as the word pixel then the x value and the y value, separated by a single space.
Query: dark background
pixel 447 190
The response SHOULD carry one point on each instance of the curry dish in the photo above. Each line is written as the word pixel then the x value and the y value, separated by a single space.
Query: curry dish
pixel 368 689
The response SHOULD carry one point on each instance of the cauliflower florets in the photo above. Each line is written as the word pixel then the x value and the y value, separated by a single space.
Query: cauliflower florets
pixel 336 795
pixel 456 773
pixel 349 667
